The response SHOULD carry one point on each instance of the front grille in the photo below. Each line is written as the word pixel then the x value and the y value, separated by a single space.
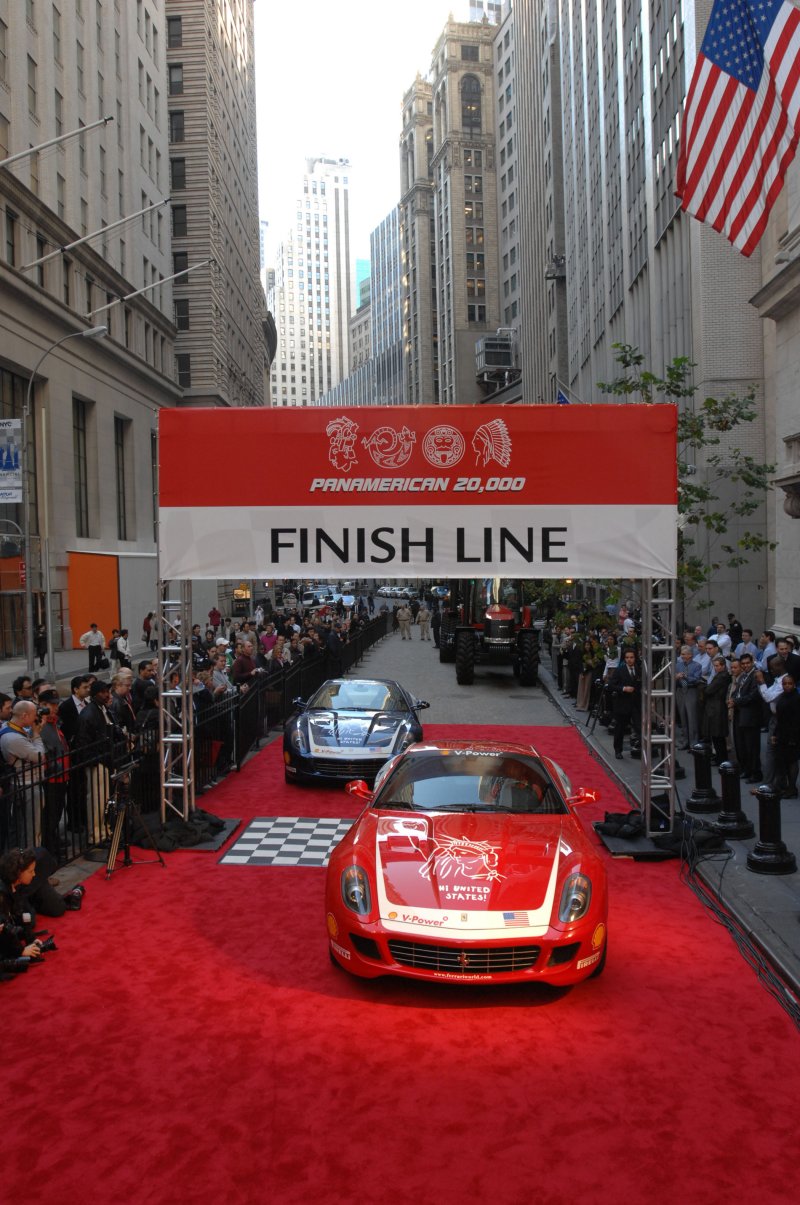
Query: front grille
pixel 363 767
pixel 464 960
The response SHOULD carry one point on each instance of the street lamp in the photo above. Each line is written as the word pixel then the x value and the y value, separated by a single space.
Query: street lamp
pixel 92 332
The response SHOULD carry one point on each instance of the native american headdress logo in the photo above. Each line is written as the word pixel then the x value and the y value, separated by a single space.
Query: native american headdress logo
pixel 492 442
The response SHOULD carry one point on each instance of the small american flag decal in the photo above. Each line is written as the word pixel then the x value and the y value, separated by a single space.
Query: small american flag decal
pixel 510 919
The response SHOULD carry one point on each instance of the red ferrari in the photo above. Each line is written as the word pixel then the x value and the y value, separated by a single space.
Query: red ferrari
pixel 468 864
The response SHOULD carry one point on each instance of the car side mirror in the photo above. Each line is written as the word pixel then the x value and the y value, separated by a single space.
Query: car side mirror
pixel 583 795
pixel 300 704
pixel 360 789
pixel 420 704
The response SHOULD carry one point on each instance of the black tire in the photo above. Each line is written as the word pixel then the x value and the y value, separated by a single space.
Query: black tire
pixel 447 655
pixel 465 658
pixel 528 659
pixel 291 781
pixel 601 966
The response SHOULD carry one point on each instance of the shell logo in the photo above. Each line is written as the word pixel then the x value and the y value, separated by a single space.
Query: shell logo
pixel 333 927
pixel 598 937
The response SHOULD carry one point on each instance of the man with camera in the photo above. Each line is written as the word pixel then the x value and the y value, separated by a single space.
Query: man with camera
pixel 22 749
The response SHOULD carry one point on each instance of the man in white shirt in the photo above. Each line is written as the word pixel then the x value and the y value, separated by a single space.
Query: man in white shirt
pixel 723 641
pixel 769 694
pixel 702 658
pixel 95 642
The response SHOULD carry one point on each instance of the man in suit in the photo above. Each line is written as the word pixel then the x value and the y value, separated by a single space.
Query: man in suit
pixel 789 657
pixel 626 694
pixel 745 704
pixel 71 708
pixel 688 676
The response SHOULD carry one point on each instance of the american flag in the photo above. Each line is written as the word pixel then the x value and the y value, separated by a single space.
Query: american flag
pixel 741 127
pixel 512 919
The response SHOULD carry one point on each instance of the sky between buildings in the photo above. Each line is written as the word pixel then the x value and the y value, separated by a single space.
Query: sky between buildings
pixel 330 79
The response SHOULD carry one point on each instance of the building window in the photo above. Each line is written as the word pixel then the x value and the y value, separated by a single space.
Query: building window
pixel 178 221
pixel 174 32
pixel 175 79
pixel 180 261
pixel 80 467
pixel 182 313
pixel 176 129
pixel 184 370
pixel 32 97
pixel 177 174
pixel 121 427
pixel 11 237
pixel 470 53
pixel 471 104
pixel 3 53
pixel 476 313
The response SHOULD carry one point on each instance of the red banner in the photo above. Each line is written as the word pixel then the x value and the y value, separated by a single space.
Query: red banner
pixel 552 490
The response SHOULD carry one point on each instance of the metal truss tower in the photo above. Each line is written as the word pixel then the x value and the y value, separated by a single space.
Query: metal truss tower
pixel 658 700
pixel 175 712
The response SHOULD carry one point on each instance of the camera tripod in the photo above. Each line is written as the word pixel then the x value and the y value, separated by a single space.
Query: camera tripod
pixel 123 810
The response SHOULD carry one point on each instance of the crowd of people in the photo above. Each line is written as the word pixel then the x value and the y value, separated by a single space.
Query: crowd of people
pixel 735 690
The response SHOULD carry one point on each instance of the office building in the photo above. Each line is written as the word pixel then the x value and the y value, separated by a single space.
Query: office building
pixel 449 207
pixel 222 344
pixel 65 265
pixel 313 288
pixel 387 310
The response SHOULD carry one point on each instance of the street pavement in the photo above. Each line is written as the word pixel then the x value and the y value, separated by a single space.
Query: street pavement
pixel 67 664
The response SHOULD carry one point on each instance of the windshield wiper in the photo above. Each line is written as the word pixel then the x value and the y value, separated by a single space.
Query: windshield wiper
pixel 395 803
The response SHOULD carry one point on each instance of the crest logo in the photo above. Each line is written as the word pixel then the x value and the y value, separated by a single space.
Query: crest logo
pixel 342 434
pixel 390 449
pixel 458 857
pixel 492 442
pixel 443 446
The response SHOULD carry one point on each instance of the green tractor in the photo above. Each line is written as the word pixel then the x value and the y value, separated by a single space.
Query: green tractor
pixel 485 623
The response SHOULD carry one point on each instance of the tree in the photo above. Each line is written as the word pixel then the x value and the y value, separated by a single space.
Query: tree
pixel 725 469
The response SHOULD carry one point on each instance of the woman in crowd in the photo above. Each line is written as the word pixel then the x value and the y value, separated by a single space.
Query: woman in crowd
pixel 17 918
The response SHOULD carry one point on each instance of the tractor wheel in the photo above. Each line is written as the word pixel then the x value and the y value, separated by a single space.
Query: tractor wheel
pixel 528 659
pixel 465 658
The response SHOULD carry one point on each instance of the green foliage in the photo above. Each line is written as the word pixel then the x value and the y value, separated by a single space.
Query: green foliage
pixel 727 468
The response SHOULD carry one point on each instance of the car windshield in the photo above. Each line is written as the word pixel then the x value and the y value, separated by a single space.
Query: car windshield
pixel 359 695
pixel 458 780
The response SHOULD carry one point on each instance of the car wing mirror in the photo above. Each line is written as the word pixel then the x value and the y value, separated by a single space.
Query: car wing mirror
pixel 360 789
pixel 584 795
pixel 420 704
pixel 300 704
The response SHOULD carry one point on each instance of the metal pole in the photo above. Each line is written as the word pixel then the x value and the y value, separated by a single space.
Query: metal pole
pixel 42 146
pixel 92 332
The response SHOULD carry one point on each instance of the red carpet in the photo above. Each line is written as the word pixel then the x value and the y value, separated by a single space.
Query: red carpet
pixel 190 1042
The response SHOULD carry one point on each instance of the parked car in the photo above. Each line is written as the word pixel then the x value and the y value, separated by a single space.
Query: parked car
pixel 348 729
pixel 469 864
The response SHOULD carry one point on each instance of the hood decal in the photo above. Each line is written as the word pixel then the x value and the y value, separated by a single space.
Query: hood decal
pixel 352 734
pixel 462 884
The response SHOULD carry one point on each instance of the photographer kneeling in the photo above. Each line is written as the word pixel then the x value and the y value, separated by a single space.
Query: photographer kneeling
pixel 17 918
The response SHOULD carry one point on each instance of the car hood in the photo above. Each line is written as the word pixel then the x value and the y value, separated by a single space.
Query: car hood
pixel 465 872
pixel 375 731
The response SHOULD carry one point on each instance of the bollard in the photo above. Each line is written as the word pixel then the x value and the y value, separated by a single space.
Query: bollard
pixel 703 798
pixel 732 822
pixel 770 855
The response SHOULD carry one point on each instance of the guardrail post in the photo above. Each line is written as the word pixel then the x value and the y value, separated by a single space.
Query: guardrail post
pixel 703 798
pixel 732 822
pixel 770 855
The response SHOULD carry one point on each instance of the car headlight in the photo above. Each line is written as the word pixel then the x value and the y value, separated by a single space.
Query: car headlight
pixel 297 741
pixel 575 898
pixel 355 890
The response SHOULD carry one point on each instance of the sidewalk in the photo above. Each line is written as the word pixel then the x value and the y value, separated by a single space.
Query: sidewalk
pixel 68 663
pixel 766 906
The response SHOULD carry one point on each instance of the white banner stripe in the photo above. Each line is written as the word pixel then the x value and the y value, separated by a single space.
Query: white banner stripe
pixel 201 543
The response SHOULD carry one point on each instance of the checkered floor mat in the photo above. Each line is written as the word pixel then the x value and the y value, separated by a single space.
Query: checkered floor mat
pixel 286 841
